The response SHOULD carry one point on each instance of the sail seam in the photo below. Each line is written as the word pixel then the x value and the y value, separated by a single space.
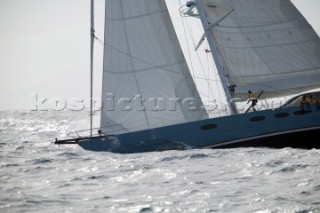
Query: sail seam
pixel 132 64
pixel 135 17
pixel 275 45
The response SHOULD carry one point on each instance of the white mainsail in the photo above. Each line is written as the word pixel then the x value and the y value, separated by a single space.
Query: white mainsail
pixel 146 81
pixel 265 45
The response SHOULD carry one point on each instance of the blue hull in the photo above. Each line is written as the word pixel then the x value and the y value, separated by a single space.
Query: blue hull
pixel 283 127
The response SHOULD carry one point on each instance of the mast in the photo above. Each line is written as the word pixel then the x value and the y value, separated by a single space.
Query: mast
pixel 91 64
pixel 216 56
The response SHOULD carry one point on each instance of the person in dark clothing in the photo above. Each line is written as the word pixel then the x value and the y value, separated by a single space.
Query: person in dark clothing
pixel 253 99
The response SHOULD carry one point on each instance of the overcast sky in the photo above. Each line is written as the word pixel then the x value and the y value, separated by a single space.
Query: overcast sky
pixel 44 48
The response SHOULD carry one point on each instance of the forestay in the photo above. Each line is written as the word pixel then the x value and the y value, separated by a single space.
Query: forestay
pixel 146 81
pixel 265 45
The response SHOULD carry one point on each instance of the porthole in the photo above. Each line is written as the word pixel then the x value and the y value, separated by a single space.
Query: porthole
pixel 208 126
pixel 281 115
pixel 257 118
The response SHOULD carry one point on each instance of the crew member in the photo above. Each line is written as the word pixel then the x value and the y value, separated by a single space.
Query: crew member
pixel 253 99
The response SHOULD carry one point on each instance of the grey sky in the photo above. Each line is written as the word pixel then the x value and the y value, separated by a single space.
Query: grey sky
pixel 44 48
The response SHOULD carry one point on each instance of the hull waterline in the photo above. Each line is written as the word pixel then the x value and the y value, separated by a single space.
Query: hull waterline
pixel 286 127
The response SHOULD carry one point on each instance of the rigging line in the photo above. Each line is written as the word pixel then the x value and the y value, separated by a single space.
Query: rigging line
pixel 207 75
pixel 210 66
pixel 208 84
pixel 202 67
pixel 214 72
pixel 92 36
pixel 186 38
pixel 222 53
pixel 207 78
pixel 136 58
pixel 216 56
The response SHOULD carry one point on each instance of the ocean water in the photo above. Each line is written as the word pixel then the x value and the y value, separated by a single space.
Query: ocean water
pixel 38 176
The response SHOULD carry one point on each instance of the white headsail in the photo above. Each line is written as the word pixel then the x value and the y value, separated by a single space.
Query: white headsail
pixel 146 81
pixel 265 45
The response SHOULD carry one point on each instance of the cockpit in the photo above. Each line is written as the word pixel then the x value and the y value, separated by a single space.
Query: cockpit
pixel 295 101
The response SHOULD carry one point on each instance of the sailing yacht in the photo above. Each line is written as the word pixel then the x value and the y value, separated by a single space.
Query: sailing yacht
pixel 151 102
